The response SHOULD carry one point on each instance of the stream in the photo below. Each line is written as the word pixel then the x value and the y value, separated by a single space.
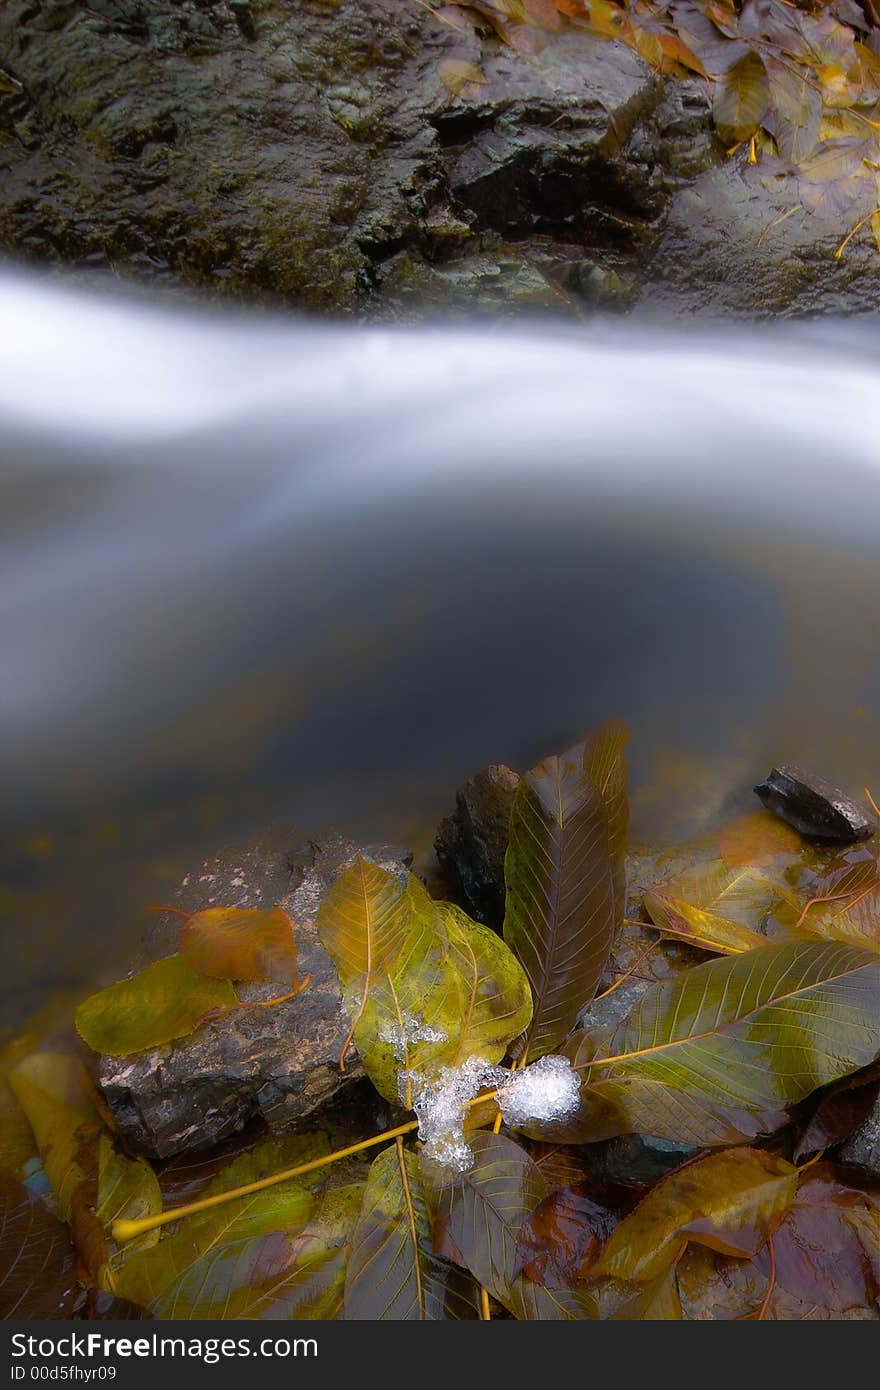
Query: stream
pixel 256 567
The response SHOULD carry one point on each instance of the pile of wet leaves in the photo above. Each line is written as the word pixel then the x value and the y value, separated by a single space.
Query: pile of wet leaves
pixel 800 83
pixel 741 1051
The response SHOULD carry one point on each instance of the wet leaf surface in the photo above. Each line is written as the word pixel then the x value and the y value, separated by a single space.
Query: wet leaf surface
pixel 393 1272
pixel 731 1202
pixel 560 1239
pixel 559 915
pixel 234 943
pixel 824 1262
pixel 715 1056
pixel 707 907
pixel 165 1001
pixel 37 1276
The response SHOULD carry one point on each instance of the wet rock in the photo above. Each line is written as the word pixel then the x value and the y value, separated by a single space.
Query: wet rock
pixel 278 1063
pixel 862 1148
pixel 471 843
pixel 812 806
pixel 633 1160
pixel 314 154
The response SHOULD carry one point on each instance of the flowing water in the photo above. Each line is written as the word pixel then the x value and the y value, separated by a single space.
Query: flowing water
pixel 256 568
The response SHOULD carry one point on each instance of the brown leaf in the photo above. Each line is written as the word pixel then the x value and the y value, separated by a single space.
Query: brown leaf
pixel 835 178
pixel 741 99
pixel 561 1238
pixel 37 1278
pixel 461 76
pixel 838 1111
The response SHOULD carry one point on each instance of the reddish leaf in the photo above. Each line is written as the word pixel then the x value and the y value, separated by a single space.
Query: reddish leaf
pixel 37 1277
pixel 562 1237
pixel 839 1111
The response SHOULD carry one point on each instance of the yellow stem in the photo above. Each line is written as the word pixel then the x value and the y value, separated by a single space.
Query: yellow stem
pixel 850 234
pixel 485 1311
pixel 123 1230
pixel 874 807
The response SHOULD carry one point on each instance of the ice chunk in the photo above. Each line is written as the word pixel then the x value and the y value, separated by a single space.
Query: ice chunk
pixel 411 1029
pixel 441 1105
pixel 546 1090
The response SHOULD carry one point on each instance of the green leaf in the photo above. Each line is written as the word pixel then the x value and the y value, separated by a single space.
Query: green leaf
pixel 237 943
pixel 714 1056
pixel 285 1272
pixel 731 1202
pixel 364 921
pixel 658 1301
pixel 165 1001
pixel 741 98
pixel 704 906
pixel 452 990
pixel 153 1278
pixel 127 1189
pixel 559 915
pixel 494 997
pixel 393 1272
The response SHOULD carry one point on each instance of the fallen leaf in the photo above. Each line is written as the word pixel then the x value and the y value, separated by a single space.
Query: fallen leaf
pixel 236 943
pixel 167 1000
pixel 731 1202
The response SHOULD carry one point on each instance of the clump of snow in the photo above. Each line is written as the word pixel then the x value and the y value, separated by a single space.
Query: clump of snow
pixel 411 1029
pixel 547 1090
pixel 441 1106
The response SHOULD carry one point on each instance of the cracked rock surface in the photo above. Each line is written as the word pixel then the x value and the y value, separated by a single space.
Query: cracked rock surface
pixel 279 1063
pixel 309 150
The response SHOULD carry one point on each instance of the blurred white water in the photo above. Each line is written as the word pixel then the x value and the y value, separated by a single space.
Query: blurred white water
pixel 344 566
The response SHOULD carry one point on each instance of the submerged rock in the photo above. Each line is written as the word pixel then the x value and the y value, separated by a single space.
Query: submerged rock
pixel 471 843
pixel 279 1063
pixel 812 806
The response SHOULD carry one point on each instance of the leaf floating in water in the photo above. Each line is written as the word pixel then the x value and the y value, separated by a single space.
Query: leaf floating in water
pixel 694 906
pixel 758 839
pixel 167 1000
pixel 393 1272
pixel 234 943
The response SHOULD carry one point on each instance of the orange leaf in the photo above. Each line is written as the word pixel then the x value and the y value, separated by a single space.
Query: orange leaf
pixel 237 943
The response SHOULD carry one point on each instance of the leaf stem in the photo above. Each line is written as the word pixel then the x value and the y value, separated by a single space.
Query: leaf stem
pixel 123 1230
pixel 874 807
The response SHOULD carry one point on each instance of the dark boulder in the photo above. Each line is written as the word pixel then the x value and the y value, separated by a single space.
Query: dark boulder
pixel 471 843
pixel 280 1063
pixel 812 806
